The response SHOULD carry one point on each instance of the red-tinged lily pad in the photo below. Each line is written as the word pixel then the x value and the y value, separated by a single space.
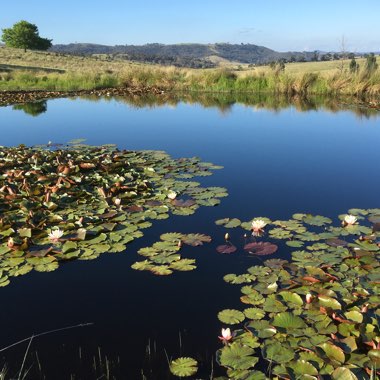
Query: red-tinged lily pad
pixel 226 248
pixel 336 242
pixel 261 248
pixel 153 203
pixel 40 252
pixel 196 239
pixel 108 215
pixel 134 208
pixel 183 203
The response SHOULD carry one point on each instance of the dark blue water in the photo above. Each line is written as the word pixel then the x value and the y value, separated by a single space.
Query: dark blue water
pixel 275 163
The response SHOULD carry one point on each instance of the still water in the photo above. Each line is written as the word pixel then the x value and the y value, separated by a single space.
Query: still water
pixel 279 158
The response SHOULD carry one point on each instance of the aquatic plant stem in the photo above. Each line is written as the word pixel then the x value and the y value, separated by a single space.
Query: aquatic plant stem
pixel 46 333
pixel 25 355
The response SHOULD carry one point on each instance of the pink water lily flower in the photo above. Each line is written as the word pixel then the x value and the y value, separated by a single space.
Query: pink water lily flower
pixel 226 335
pixel 258 225
pixel 55 235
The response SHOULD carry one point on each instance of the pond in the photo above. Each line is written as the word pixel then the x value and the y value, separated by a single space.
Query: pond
pixel 278 158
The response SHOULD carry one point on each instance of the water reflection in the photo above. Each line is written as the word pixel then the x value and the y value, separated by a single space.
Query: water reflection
pixel 33 109
pixel 225 101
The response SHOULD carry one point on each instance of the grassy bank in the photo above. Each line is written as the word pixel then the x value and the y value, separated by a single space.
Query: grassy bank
pixel 34 72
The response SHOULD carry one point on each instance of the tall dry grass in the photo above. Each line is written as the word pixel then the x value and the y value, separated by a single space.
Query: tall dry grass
pixel 93 73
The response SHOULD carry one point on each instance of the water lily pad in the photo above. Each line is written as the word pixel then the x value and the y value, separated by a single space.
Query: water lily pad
pixel 161 270
pixel 343 373
pixel 232 223
pixel 288 321
pixel 261 248
pixel 295 243
pixel 231 316
pixel 333 352
pixel 183 265
pixel 302 368
pixel 226 248
pixel 254 313
pixel 196 239
pixel 237 356
pixel 278 352
pixel 171 236
pixel 184 367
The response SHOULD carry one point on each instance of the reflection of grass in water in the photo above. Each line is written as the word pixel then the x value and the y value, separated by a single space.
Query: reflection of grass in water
pixel 33 109
pixel 264 101
pixel 84 362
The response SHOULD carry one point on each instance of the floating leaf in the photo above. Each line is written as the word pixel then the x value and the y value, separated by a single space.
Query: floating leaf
pixel 329 302
pixel 333 352
pixel 278 353
pixel 183 265
pixel 295 243
pixel 261 248
pixel 161 270
pixel 226 248
pixel 342 373
pixel 302 368
pixel 232 223
pixel 231 316
pixel 196 239
pixel 288 321
pixel 171 236
pixel 184 367
pixel 254 313
pixel 237 356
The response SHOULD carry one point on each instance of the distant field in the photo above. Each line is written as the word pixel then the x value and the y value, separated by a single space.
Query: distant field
pixel 324 67
pixel 46 60
pixel 52 71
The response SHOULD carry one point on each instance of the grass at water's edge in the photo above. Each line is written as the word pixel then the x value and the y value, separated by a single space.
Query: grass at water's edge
pixel 215 80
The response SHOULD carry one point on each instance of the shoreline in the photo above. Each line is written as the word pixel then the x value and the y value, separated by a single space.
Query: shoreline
pixel 8 98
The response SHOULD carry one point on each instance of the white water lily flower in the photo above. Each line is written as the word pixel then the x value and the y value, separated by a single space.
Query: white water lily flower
pixel 350 219
pixel 10 242
pixel 309 298
pixel 273 286
pixel 55 235
pixel 226 335
pixel 117 201
pixel 258 225
pixel 172 194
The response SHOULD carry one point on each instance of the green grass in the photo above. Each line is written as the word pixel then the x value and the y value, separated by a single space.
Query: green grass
pixel 324 78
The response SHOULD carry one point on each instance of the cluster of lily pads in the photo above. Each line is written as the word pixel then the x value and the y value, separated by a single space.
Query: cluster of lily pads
pixel 316 316
pixel 76 201
pixel 163 256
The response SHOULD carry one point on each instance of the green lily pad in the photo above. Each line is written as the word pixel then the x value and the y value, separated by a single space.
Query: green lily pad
pixel 254 313
pixel 184 367
pixel 302 368
pixel 278 353
pixel 333 352
pixel 288 321
pixel 237 356
pixel 231 316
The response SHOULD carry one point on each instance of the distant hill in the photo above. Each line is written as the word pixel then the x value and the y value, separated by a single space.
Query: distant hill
pixel 191 55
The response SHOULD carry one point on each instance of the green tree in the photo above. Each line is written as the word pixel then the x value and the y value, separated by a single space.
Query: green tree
pixel 354 66
pixel 24 35
pixel 371 64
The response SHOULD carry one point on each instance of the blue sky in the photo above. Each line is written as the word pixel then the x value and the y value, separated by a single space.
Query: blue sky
pixel 277 24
